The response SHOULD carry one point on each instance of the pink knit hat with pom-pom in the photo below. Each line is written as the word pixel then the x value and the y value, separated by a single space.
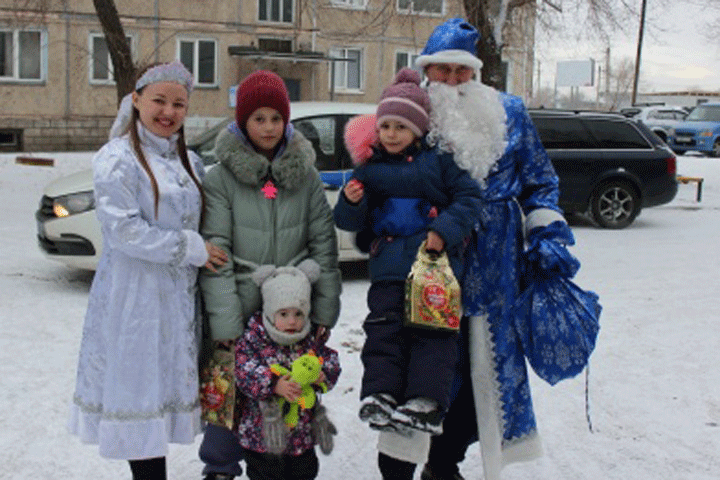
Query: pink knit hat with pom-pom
pixel 406 102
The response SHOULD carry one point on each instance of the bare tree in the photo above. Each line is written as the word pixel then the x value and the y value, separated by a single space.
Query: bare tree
pixel 35 12
pixel 118 46
pixel 621 84
pixel 493 18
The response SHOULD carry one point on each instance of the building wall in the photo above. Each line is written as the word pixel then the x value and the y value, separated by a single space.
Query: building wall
pixel 68 110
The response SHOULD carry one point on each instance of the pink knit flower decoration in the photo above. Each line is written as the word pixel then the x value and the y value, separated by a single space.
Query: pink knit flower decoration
pixel 360 136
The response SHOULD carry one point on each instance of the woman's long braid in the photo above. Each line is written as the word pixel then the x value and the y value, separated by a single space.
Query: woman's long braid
pixel 135 141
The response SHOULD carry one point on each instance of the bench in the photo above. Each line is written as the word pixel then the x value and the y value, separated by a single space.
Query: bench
pixel 698 180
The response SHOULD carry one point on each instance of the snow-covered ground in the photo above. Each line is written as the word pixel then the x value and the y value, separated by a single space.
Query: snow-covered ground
pixel 654 390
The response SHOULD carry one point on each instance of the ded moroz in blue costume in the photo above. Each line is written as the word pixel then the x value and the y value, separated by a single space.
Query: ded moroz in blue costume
pixel 493 137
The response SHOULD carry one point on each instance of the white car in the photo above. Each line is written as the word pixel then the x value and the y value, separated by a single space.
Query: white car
pixel 69 232
pixel 658 118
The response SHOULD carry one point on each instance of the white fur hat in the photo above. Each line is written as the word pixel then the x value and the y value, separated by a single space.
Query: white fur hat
pixel 286 287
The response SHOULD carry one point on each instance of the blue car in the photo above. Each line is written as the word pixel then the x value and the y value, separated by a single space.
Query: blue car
pixel 699 132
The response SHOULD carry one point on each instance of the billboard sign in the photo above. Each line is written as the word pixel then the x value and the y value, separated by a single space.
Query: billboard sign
pixel 575 73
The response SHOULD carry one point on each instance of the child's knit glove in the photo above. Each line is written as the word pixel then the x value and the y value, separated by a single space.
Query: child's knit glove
pixel 323 429
pixel 275 432
pixel 547 253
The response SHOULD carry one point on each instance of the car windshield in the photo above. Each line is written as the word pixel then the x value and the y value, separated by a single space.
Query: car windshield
pixel 705 114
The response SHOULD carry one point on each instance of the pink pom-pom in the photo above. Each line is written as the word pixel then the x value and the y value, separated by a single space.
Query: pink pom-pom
pixel 360 136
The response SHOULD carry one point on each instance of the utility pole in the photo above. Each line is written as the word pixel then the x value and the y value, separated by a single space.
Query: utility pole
pixel 639 51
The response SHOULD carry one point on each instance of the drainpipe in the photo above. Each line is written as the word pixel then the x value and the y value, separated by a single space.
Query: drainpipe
pixel 313 87
pixel 157 31
pixel 67 59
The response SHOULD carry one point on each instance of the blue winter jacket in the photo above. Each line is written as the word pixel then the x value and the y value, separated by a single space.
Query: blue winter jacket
pixel 444 198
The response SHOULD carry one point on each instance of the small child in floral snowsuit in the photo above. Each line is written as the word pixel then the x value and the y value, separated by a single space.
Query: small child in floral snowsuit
pixel 279 334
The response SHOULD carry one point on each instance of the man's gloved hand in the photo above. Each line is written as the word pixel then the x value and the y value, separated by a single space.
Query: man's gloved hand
pixel 546 251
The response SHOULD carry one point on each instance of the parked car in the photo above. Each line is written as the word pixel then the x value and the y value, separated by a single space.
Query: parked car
pixel 608 165
pixel 699 132
pixel 658 118
pixel 69 232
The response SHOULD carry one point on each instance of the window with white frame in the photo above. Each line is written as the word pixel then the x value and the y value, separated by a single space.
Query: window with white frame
pixel 200 57
pixel 405 59
pixel 421 6
pixel 275 11
pixel 23 54
pixel 101 67
pixel 358 4
pixel 349 71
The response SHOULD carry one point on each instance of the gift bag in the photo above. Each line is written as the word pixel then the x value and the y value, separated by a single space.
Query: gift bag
pixel 558 324
pixel 217 389
pixel 432 293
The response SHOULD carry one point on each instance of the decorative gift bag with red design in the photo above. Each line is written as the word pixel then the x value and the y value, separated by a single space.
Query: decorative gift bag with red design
pixel 432 293
pixel 217 389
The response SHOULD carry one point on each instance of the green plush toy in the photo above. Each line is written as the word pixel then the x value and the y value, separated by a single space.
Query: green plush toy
pixel 305 370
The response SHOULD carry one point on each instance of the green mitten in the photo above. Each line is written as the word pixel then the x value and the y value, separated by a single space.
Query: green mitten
pixel 323 429
pixel 275 432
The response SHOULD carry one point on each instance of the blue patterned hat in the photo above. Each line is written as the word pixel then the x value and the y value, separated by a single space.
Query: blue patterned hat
pixel 451 42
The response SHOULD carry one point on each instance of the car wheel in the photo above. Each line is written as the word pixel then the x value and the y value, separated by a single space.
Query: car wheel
pixel 615 205
pixel 716 148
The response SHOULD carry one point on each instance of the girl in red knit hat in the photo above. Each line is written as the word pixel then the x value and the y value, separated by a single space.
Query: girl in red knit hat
pixel 265 206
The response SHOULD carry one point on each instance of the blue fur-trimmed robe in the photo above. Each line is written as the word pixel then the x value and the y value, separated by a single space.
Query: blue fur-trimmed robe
pixel 522 182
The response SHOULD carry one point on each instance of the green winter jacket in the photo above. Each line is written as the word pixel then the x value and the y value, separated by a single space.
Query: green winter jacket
pixel 251 228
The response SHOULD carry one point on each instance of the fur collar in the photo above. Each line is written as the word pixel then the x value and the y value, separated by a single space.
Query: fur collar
pixel 288 170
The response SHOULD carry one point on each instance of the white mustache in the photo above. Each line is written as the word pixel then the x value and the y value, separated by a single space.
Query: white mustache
pixel 469 120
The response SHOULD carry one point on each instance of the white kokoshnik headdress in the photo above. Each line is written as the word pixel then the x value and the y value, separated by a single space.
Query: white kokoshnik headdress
pixel 167 72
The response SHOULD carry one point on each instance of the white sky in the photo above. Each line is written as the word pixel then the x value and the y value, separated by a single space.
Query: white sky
pixel 676 53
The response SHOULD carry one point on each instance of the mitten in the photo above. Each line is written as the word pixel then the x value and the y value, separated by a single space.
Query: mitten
pixel 275 432
pixel 323 429
pixel 546 252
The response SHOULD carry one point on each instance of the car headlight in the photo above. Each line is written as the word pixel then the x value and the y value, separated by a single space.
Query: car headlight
pixel 73 203
pixel 705 133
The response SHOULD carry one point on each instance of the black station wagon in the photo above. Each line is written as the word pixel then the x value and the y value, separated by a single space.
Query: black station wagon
pixel 609 166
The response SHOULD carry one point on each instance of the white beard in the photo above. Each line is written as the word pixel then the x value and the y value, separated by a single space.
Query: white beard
pixel 468 120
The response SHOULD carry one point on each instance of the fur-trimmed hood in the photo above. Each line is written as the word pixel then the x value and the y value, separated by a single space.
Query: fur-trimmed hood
pixel 288 169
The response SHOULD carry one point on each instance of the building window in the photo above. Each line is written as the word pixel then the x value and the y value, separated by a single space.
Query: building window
pixel 348 73
pixel 101 67
pixel 11 140
pixel 357 4
pixel 405 60
pixel 23 55
pixel 199 56
pixel 275 11
pixel 421 6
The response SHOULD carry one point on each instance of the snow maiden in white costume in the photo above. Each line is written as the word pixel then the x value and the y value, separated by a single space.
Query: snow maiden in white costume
pixel 493 137
pixel 137 379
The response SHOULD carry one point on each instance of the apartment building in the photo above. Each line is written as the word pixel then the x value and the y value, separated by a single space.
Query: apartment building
pixel 56 81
